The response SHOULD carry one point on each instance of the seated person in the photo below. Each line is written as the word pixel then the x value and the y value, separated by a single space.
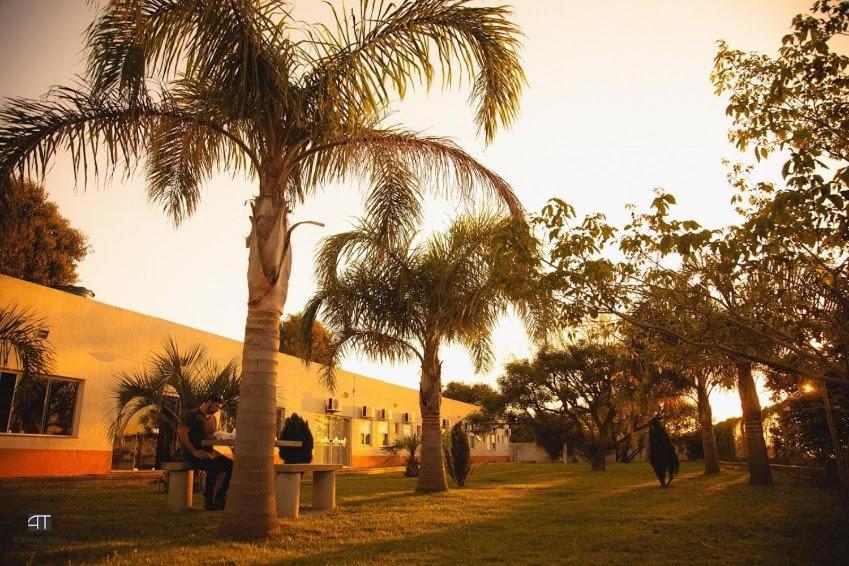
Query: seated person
pixel 197 425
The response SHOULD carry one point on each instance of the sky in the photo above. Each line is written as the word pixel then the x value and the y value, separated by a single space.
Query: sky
pixel 618 102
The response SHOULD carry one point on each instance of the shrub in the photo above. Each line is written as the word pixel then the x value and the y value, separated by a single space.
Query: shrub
pixel 458 458
pixel 409 445
pixel 296 428
pixel 662 454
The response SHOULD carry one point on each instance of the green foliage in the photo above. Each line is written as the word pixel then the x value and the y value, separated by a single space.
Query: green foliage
pixel 409 445
pixel 292 343
pixel 457 454
pixel 692 444
pixel 594 396
pixel 296 428
pixel 802 431
pixel 396 300
pixel 38 244
pixel 481 394
pixel 725 438
pixel 185 375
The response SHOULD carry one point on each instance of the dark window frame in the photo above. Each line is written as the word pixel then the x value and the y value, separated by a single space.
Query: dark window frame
pixel 49 379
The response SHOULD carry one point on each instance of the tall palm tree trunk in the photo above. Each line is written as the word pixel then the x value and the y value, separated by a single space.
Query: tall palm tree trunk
pixel 706 424
pixel 432 468
pixel 251 511
pixel 756 453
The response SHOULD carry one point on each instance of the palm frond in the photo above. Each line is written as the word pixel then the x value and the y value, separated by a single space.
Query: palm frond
pixel 393 45
pixel 103 130
pixel 23 340
pixel 239 46
pixel 436 163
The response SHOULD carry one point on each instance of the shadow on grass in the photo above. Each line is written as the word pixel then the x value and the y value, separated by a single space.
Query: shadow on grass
pixel 509 513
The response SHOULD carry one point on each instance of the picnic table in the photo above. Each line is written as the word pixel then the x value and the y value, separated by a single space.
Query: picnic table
pixel 181 474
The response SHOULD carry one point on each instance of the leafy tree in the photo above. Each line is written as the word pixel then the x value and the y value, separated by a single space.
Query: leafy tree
pixel 795 102
pixel 662 455
pixel 396 300
pixel 700 371
pixel 38 244
pixel 458 458
pixel 172 380
pixel 296 428
pixel 291 341
pixel 596 390
pixel 409 445
pixel 481 394
pixel 196 87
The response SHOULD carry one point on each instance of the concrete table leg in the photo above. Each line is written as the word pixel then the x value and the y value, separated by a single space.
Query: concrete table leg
pixel 288 494
pixel 180 484
pixel 324 490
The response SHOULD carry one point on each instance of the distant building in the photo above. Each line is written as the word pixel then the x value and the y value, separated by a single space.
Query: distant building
pixel 63 429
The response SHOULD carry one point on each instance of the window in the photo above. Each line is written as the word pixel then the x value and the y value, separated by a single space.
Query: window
pixel 491 439
pixel 365 433
pixel 398 428
pixel 383 433
pixel 407 430
pixel 37 406
pixel 419 431
pixel 471 441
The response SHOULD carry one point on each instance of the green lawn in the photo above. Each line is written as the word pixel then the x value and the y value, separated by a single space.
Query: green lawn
pixel 533 513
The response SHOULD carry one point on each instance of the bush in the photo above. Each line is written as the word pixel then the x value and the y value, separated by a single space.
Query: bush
pixel 691 442
pixel 296 428
pixel 458 458
pixel 662 454
pixel 409 445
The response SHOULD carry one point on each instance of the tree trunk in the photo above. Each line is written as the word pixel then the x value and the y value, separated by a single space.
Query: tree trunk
pixel 432 469
pixel 251 511
pixel 706 424
pixel 598 458
pixel 839 453
pixel 756 453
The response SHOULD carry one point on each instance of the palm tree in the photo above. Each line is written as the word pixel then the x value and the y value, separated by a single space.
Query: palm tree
pixel 197 86
pixel 410 446
pixel 405 301
pixel 23 340
pixel 187 376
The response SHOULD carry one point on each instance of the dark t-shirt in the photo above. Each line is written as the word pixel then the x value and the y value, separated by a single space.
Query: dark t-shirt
pixel 195 421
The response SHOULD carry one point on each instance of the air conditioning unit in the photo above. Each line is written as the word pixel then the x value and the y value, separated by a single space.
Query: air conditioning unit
pixel 366 412
pixel 331 405
pixel 407 417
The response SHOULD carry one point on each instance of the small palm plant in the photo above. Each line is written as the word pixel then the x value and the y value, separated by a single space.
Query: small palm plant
pixel 171 381
pixel 406 445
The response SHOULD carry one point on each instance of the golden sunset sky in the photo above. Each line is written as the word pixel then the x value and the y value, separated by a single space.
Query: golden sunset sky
pixel 619 102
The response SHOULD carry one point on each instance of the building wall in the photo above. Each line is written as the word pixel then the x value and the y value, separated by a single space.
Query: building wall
pixel 94 342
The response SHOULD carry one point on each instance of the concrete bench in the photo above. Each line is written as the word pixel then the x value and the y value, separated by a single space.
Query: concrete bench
pixel 288 487
pixel 181 478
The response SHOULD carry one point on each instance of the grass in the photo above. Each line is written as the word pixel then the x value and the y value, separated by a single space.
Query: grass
pixel 508 513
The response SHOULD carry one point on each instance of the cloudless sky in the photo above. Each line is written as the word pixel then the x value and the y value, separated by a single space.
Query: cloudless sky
pixel 619 102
